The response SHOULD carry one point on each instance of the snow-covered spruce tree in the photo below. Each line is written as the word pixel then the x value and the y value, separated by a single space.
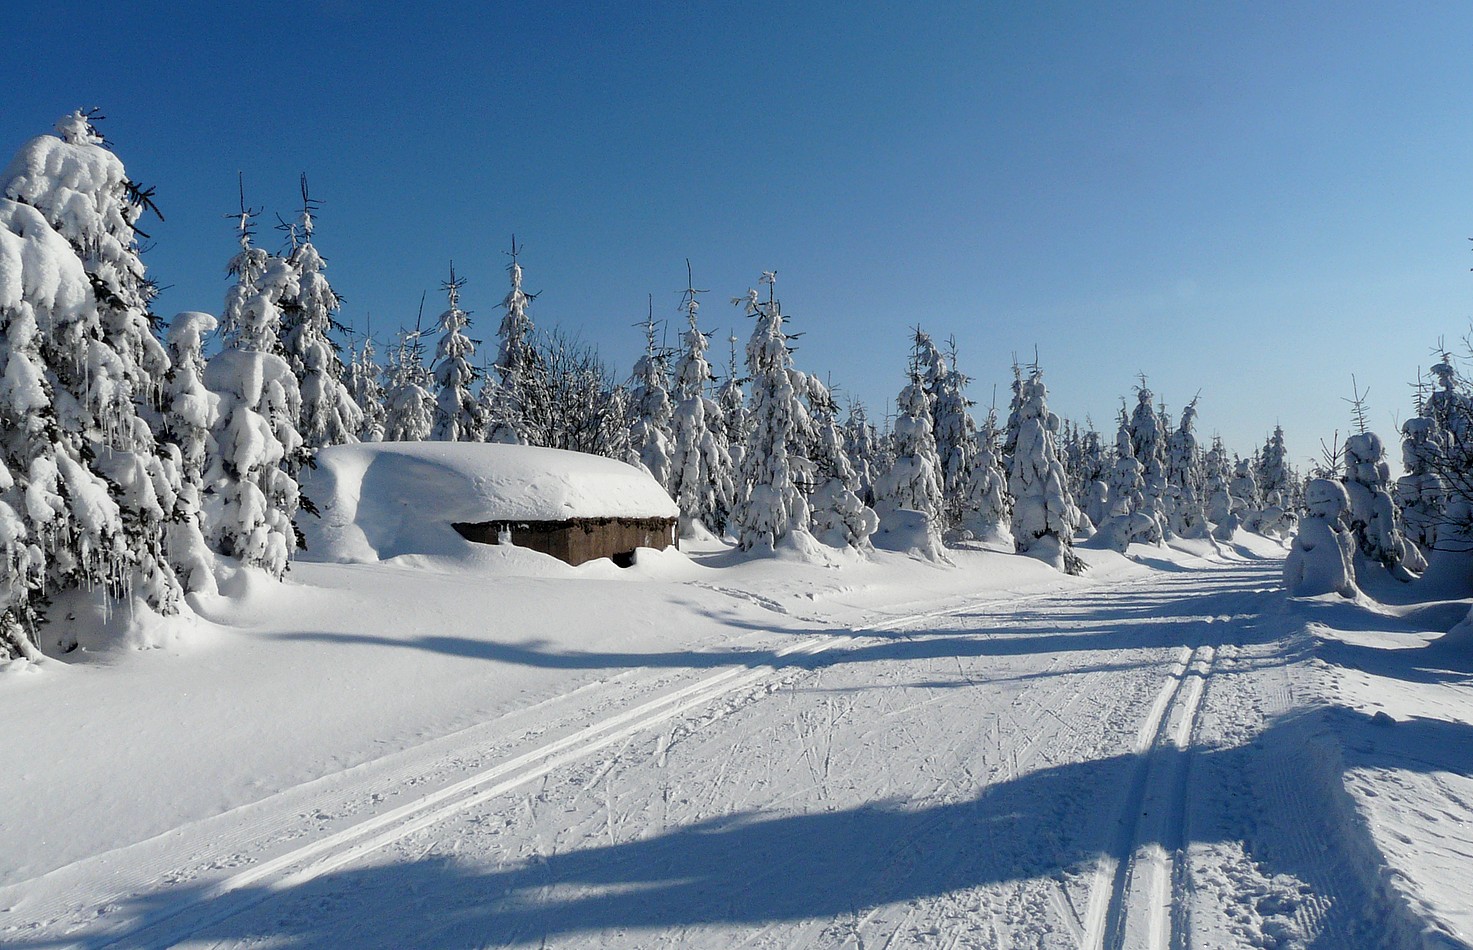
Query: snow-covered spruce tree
pixel 771 504
pixel 700 466
pixel 986 511
pixel 613 440
pixel 520 415
pixel 328 414
pixel 190 413
pixel 1044 515
pixel 367 391
pixel 861 445
pixel 1373 516
pixel 913 479
pixel 1276 486
pixel 1185 475
pixel 1131 518
pixel 1421 494
pixel 89 488
pixel 951 423
pixel 1321 559
pixel 840 517
pixel 253 494
pixel 1148 440
pixel 649 391
pixel 457 414
pixel 411 408
pixel 1015 409
pixel 1219 497
pixel 1243 488
pixel 733 402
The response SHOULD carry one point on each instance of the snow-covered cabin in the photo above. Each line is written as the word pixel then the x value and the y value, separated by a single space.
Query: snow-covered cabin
pixel 386 499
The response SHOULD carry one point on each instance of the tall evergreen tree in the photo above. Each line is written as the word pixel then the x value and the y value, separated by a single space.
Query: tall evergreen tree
pixel 457 414
pixel 1044 515
pixel 364 385
pixel 649 390
pixel 771 503
pixel 701 480
pixel 411 408
pixel 840 517
pixel 521 413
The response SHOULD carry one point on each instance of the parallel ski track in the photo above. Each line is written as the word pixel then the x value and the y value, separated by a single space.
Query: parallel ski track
pixel 1137 882
pixel 173 923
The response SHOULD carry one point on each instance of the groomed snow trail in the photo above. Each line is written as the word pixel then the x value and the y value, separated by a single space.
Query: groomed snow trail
pixel 1094 768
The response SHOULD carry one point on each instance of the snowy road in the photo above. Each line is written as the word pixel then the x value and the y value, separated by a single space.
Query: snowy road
pixel 1114 767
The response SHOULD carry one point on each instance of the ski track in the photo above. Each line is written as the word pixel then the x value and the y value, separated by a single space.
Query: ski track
pixel 1139 893
pixel 240 890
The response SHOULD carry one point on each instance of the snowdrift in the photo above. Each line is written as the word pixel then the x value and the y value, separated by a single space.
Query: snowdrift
pixel 385 500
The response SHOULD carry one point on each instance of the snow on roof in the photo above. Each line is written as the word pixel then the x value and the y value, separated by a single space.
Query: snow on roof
pixel 381 500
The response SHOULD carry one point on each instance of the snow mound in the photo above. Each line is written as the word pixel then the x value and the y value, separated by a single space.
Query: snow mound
pixel 385 500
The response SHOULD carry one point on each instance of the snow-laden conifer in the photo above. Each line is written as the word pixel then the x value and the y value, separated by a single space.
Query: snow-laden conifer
pixel 1373 516
pixel 701 479
pixel 1218 496
pixel 1185 478
pixel 771 503
pixel 1130 518
pixel 411 408
pixel 951 421
pixel 1321 558
pixel 1421 493
pixel 649 392
pixel 190 413
pixel 732 399
pixel 364 385
pixel 457 414
pixel 1148 441
pixel 520 413
pixel 1044 515
pixel 861 445
pixel 328 414
pixel 1243 488
pixel 840 517
pixel 913 479
pixel 986 509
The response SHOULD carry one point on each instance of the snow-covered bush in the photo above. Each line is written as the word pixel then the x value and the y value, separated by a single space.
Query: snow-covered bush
pixel 1044 515
pixel 1321 558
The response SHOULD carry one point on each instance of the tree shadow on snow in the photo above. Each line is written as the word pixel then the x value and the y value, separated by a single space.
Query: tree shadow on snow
pixel 756 868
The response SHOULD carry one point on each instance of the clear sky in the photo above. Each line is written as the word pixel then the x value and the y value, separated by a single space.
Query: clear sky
pixel 1253 200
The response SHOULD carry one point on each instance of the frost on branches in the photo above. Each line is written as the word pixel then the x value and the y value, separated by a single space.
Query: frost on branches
pixel 700 465
pixel 1373 517
pixel 457 414
pixel 1321 559
pixel 84 490
pixel 771 504
pixel 1044 516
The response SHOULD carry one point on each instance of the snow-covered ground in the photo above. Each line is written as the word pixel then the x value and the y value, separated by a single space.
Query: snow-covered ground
pixel 489 748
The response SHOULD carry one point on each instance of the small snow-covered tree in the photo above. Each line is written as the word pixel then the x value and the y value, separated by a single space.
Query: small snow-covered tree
pixel 457 414
pixel 367 391
pixel 1321 558
pixel 861 445
pixel 522 410
pixel 701 479
pixel 1243 488
pixel 1044 515
pixel 1372 515
pixel 1131 518
pixel 649 432
pixel 328 414
pixel 771 503
pixel 986 511
pixel 913 479
pixel 1219 497
pixel 411 408
pixel 951 423
pixel 190 412
pixel 840 517
pixel 1185 477
pixel 1148 440
pixel 1421 493
pixel 733 402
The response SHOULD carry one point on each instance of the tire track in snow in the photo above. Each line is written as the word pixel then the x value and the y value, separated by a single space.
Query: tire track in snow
pixel 1137 882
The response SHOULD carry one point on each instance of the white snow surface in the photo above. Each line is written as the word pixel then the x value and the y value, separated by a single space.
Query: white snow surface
pixel 713 750
pixel 390 499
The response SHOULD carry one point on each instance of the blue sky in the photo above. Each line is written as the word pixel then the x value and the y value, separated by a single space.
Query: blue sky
pixel 1250 200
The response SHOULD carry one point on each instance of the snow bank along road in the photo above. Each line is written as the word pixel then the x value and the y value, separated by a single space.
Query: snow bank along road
pixel 1116 767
